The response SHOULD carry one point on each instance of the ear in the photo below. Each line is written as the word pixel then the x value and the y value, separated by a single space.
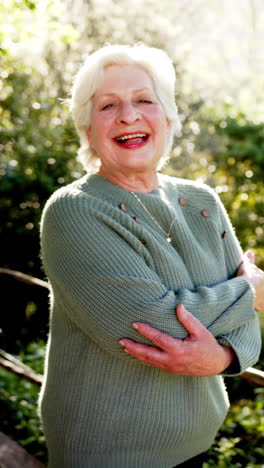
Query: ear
pixel 89 136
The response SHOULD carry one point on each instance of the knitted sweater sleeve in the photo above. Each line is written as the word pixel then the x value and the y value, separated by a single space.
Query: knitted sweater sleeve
pixel 104 285
pixel 239 339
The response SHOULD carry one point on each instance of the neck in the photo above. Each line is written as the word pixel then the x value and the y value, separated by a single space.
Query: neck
pixel 134 182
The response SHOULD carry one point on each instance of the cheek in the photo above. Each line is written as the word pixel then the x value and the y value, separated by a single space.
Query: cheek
pixel 102 126
pixel 157 118
pixel 95 134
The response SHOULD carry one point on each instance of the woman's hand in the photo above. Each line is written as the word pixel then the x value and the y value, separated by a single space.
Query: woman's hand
pixel 255 277
pixel 197 355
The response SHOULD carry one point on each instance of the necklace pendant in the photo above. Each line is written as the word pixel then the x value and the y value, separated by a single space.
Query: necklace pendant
pixel 169 239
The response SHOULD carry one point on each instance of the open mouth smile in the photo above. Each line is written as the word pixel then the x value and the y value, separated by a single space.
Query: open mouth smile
pixel 132 140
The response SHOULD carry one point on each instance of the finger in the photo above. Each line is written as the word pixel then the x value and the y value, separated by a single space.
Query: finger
pixel 241 269
pixel 193 326
pixel 250 256
pixel 142 352
pixel 158 338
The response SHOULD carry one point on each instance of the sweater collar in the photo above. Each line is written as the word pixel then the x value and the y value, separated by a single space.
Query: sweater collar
pixel 98 183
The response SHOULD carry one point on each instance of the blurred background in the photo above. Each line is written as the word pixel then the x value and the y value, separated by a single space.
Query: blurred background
pixel 217 49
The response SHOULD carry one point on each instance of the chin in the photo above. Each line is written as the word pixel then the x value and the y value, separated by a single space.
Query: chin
pixel 142 163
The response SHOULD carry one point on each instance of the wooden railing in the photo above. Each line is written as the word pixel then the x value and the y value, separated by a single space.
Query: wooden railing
pixel 11 363
pixel 14 456
pixel 27 279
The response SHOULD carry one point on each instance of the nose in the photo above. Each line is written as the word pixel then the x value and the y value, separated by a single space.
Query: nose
pixel 128 113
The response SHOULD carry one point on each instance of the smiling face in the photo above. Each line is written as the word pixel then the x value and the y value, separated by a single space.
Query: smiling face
pixel 128 128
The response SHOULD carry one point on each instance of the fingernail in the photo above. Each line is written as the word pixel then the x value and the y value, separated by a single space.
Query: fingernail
pixel 135 325
pixel 122 343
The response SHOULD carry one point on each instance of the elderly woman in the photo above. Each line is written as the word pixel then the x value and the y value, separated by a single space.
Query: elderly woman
pixel 148 311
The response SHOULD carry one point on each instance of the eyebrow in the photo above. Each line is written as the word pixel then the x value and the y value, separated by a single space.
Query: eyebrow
pixel 114 94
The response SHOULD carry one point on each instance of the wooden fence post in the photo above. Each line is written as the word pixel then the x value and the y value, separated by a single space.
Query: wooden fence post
pixel 14 456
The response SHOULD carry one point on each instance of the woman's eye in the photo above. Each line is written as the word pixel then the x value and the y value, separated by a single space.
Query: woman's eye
pixel 107 106
pixel 145 101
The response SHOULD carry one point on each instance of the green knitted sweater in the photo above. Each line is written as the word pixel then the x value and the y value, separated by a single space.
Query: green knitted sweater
pixel 109 265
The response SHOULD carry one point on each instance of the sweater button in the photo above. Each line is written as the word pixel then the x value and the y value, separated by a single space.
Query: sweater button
pixel 205 213
pixel 123 206
pixel 224 234
pixel 183 201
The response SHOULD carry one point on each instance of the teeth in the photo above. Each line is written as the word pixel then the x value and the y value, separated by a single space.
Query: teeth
pixel 135 135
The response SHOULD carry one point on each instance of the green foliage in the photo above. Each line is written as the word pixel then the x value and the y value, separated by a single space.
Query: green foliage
pixel 38 154
pixel 18 404
pixel 240 168
pixel 38 148
pixel 240 442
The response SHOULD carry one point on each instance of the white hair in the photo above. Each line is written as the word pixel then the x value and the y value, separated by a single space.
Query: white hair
pixel 154 61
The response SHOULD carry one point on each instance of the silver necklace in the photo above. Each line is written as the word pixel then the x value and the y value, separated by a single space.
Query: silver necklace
pixel 167 234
